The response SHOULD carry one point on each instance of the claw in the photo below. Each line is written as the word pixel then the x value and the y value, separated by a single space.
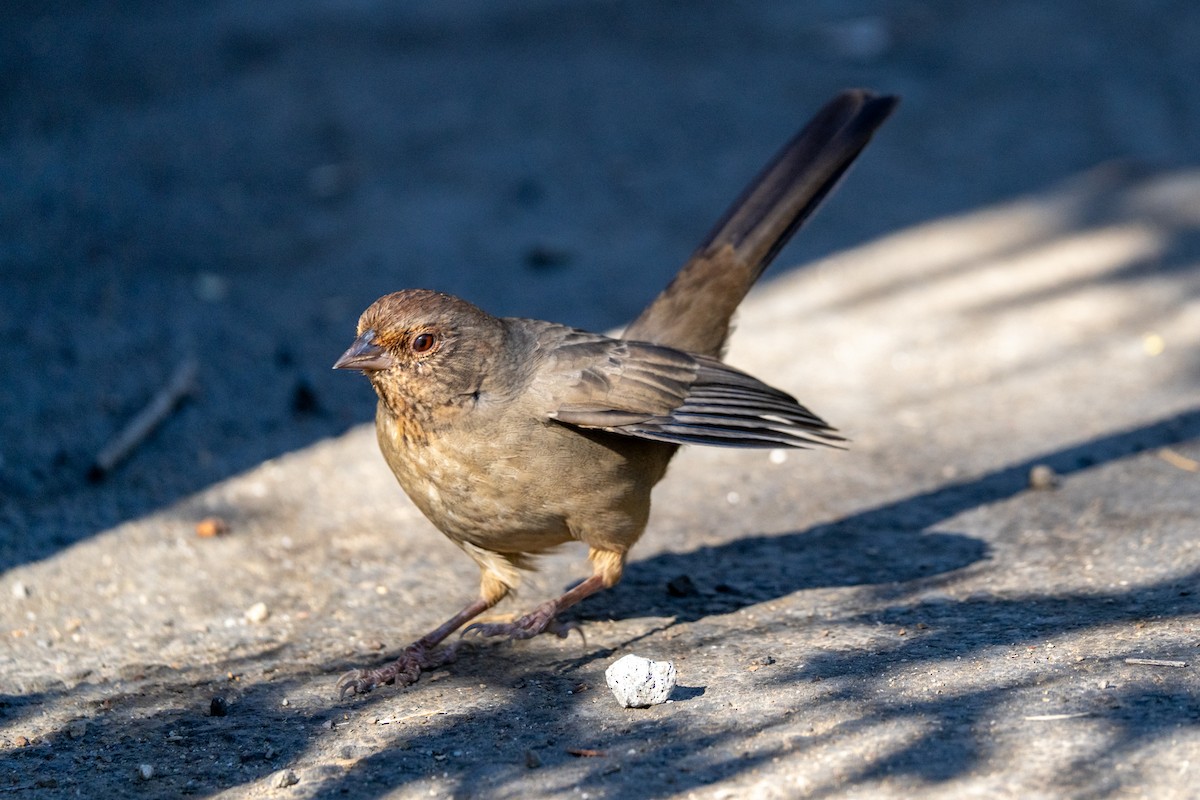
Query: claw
pixel 563 630
pixel 403 671
pixel 473 628
pixel 356 681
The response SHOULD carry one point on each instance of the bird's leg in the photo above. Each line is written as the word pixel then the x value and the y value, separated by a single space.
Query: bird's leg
pixel 417 656
pixel 607 567
pixel 541 619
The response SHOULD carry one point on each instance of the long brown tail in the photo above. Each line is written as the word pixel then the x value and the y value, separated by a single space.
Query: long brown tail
pixel 694 311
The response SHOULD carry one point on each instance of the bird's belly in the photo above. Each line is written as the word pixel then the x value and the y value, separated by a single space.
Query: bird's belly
pixel 526 492
pixel 480 498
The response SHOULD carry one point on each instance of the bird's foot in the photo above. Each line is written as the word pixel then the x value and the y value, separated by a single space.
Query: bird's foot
pixel 403 671
pixel 540 620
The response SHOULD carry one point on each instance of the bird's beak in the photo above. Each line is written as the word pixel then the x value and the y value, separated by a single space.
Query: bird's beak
pixel 364 355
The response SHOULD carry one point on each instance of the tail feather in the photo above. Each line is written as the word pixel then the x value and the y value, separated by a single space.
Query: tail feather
pixel 694 311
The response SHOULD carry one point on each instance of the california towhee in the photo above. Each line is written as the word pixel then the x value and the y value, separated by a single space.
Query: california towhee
pixel 514 436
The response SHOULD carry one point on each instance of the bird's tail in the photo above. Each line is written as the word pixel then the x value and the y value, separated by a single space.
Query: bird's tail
pixel 694 311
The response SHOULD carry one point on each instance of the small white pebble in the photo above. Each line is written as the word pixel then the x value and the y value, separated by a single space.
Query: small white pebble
pixel 20 591
pixel 778 456
pixel 733 498
pixel 283 779
pixel 638 682
pixel 1153 344
pixel 146 771
pixel 1042 478
pixel 257 613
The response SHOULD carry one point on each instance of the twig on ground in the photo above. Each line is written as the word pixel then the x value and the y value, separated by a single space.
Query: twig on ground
pixel 1179 460
pixel 586 752
pixel 1155 662
pixel 180 385
pixel 1055 717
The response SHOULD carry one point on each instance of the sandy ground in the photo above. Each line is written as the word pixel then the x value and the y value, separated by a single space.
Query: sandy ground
pixel 1009 280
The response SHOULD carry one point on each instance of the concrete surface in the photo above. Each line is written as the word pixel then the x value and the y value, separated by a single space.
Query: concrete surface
pixel 1009 279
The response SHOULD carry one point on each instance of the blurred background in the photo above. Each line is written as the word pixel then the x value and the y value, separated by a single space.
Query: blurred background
pixel 235 182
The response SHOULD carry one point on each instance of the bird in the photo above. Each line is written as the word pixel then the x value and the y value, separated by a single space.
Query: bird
pixel 514 436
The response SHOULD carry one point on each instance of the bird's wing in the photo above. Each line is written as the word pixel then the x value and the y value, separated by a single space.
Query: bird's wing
pixel 655 392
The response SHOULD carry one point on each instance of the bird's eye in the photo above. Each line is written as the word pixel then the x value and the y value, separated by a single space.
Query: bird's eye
pixel 423 342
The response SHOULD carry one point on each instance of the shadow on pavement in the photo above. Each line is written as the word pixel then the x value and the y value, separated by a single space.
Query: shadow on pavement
pixel 489 750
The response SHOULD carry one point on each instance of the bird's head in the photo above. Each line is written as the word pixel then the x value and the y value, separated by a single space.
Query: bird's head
pixel 423 347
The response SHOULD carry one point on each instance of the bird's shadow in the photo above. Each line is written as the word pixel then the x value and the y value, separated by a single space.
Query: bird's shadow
pixel 891 543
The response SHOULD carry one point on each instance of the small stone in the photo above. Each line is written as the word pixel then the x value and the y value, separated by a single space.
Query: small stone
pixel 546 257
pixel 304 398
pixel 681 586
pixel 218 707
pixel 283 779
pixel 778 456
pixel 638 682
pixel 77 728
pixel 532 759
pixel 257 613
pixel 211 527
pixel 1042 478
pixel 146 771
pixel 20 591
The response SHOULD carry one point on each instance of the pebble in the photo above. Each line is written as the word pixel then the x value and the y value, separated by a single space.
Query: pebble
pixel 681 586
pixel 20 591
pixel 638 682
pixel 283 779
pixel 257 613
pixel 1042 478
pixel 77 728
pixel 146 771
pixel 210 527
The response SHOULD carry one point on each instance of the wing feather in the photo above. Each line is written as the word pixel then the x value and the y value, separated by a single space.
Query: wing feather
pixel 654 392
